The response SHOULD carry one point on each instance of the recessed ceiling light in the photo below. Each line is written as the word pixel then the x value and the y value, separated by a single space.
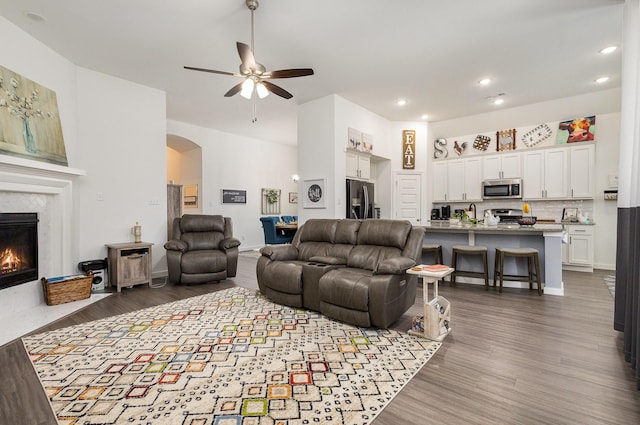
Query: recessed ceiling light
pixel 485 81
pixel 35 17
pixel 424 117
pixel 608 50
pixel 497 99
pixel 401 102
pixel 602 80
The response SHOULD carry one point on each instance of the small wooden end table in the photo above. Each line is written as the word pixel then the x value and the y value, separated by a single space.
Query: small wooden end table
pixel 129 264
pixel 437 311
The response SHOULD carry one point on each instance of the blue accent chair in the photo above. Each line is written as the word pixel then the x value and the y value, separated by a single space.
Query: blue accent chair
pixel 288 218
pixel 271 235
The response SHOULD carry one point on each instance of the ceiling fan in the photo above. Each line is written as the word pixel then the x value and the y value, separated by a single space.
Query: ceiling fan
pixel 254 74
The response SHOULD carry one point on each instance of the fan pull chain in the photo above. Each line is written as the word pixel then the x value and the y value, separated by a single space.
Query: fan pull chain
pixel 254 107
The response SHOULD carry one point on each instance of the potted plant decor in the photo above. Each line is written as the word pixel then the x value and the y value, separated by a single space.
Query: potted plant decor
pixel 272 196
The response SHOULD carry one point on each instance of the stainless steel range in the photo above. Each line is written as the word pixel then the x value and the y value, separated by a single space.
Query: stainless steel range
pixel 507 216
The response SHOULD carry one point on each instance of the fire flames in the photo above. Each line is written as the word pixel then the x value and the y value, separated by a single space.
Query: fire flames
pixel 9 261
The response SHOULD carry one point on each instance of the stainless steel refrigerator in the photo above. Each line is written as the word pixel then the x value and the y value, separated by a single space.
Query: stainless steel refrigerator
pixel 359 199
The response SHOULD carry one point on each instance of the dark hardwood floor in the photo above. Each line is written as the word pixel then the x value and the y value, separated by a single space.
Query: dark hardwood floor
pixel 512 358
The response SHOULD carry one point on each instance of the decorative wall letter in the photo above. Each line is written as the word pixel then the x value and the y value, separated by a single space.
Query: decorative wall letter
pixel 408 149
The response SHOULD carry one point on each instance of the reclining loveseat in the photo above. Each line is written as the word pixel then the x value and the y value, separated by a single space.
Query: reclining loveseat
pixel 349 270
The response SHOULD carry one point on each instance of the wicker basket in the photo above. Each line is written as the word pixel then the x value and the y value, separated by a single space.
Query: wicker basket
pixel 60 291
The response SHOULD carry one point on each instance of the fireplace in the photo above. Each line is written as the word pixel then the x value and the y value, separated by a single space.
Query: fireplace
pixel 18 248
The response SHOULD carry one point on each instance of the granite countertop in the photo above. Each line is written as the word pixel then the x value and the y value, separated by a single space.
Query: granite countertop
pixel 444 226
pixel 577 223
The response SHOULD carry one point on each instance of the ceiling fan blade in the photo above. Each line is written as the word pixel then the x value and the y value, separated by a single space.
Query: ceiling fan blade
pixel 246 55
pixel 234 90
pixel 289 73
pixel 213 71
pixel 277 90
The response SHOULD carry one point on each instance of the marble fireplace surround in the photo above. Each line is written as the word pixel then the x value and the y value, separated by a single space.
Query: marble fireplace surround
pixel 49 187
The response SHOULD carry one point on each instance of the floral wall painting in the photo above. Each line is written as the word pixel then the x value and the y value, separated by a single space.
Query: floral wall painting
pixel 29 120
pixel 581 129
pixel 314 194
pixel 270 201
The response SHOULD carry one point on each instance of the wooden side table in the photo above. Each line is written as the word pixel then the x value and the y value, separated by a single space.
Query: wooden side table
pixel 437 311
pixel 129 264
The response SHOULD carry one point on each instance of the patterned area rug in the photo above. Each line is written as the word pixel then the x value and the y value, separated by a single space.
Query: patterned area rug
pixel 226 358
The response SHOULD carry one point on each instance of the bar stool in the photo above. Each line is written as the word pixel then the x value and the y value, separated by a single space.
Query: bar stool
pixel 469 250
pixel 533 260
pixel 434 249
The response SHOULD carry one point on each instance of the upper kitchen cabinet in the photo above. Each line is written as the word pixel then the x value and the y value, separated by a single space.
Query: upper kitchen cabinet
pixel 581 171
pixel 358 166
pixel 464 180
pixel 502 166
pixel 439 179
pixel 545 174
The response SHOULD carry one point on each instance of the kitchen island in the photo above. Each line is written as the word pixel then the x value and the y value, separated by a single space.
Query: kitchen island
pixel 546 238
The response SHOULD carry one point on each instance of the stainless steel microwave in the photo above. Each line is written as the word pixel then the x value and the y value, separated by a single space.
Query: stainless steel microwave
pixel 502 189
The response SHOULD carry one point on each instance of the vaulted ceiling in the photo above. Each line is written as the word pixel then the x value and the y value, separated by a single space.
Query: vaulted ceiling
pixel 372 52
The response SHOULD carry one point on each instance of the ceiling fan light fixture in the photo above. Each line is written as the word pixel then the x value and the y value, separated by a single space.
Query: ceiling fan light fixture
pixel 261 90
pixel 254 74
pixel 247 88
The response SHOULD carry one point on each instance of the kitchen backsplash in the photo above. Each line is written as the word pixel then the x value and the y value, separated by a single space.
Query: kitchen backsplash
pixel 541 209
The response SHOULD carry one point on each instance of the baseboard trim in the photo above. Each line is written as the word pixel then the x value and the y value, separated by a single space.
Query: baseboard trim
pixel 611 267
pixel 511 284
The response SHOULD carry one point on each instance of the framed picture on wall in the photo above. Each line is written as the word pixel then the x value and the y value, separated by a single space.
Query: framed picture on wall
pixel 314 195
pixel 293 197
pixel 506 140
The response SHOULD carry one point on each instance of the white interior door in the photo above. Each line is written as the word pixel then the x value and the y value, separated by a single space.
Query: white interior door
pixel 408 197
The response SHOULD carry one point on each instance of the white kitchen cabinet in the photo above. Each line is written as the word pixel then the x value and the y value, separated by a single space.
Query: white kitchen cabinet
pixel 502 166
pixel 577 254
pixel 545 174
pixel 464 180
pixel 439 179
pixel 581 171
pixel 358 166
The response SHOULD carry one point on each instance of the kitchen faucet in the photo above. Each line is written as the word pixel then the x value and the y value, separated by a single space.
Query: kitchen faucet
pixel 474 210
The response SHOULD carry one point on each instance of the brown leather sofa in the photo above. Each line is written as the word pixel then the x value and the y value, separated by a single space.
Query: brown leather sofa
pixel 349 270
pixel 202 249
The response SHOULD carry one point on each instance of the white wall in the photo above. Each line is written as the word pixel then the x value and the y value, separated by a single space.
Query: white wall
pixel 604 104
pixel 122 139
pixel 318 158
pixel 174 166
pixel 113 129
pixel 234 162
pixel 322 141
pixel 191 174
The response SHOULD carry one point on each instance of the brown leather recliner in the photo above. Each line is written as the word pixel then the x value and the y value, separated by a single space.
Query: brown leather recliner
pixel 202 249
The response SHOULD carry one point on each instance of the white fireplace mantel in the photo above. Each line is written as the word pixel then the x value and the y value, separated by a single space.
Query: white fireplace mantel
pixel 22 307
pixel 27 176
pixel 26 166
